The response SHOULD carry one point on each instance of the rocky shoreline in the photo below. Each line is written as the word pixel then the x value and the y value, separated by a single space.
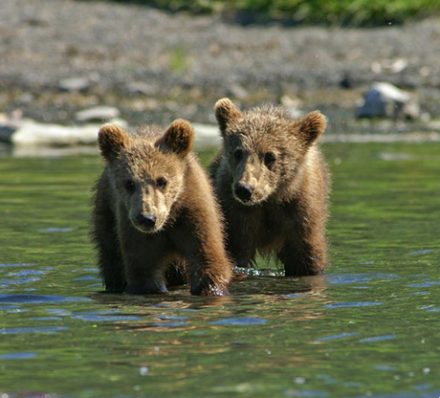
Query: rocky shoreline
pixel 61 57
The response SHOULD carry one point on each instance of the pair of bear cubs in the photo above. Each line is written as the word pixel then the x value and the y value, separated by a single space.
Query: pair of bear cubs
pixel 156 218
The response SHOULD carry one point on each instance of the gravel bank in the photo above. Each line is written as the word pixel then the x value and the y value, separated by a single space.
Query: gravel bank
pixel 155 66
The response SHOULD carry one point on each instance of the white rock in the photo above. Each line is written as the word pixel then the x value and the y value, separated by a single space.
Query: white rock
pixel 293 106
pixel 394 66
pixel 74 84
pixel 398 65
pixel 207 135
pixel 31 133
pixel 385 100
pixel 389 91
pixel 97 113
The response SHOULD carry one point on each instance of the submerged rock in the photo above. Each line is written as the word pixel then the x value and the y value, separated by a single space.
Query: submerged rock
pixel 385 100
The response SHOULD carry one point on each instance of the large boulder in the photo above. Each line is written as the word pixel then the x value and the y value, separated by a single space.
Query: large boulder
pixel 383 100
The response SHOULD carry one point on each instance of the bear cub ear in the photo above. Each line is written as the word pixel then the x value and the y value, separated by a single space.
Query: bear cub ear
pixel 112 140
pixel 311 126
pixel 225 112
pixel 178 138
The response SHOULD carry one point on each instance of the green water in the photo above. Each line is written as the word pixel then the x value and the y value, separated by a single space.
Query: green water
pixel 369 327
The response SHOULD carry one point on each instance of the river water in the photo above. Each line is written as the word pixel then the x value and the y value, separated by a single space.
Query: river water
pixel 369 327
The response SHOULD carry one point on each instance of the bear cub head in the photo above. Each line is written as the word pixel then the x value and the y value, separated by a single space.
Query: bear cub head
pixel 264 147
pixel 147 170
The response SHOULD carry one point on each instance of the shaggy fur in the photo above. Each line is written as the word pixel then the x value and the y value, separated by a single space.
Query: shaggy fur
pixel 272 183
pixel 154 208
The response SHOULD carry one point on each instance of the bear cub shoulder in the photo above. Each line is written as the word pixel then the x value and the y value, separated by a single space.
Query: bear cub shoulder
pixel 154 210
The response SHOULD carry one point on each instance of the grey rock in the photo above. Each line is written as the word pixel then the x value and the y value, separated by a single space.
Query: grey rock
pixel 142 88
pixel 97 113
pixel 26 98
pixel 9 124
pixel 237 91
pixel 384 100
pixel 6 132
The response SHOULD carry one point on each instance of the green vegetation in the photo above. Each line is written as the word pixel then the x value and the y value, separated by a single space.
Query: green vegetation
pixel 177 60
pixel 327 12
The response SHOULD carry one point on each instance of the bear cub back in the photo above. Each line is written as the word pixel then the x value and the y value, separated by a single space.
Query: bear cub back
pixel 272 183
pixel 155 213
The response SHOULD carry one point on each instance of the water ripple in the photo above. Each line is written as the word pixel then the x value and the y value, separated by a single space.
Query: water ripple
pixel 91 317
pixel 172 318
pixel 26 272
pixel 245 321
pixel 39 299
pixel 378 338
pixel 421 252
pixel 30 330
pixel 86 278
pixel 306 393
pixel 8 265
pixel 336 336
pixel 58 311
pixel 353 304
pixel 425 284
pixel 430 308
pixel 170 324
pixel 19 281
pixel 347 279
pixel 52 230
pixel 293 295
pixel 18 355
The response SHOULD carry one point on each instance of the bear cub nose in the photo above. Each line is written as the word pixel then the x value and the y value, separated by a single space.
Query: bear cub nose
pixel 243 191
pixel 147 220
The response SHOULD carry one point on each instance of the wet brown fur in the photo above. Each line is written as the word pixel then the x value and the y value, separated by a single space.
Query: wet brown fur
pixel 287 212
pixel 136 258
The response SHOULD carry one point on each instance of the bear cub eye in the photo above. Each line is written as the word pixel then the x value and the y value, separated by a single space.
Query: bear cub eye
pixel 161 182
pixel 238 154
pixel 269 159
pixel 130 186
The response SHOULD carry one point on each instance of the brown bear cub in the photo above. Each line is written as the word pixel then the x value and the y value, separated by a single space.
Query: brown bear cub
pixel 272 183
pixel 154 208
